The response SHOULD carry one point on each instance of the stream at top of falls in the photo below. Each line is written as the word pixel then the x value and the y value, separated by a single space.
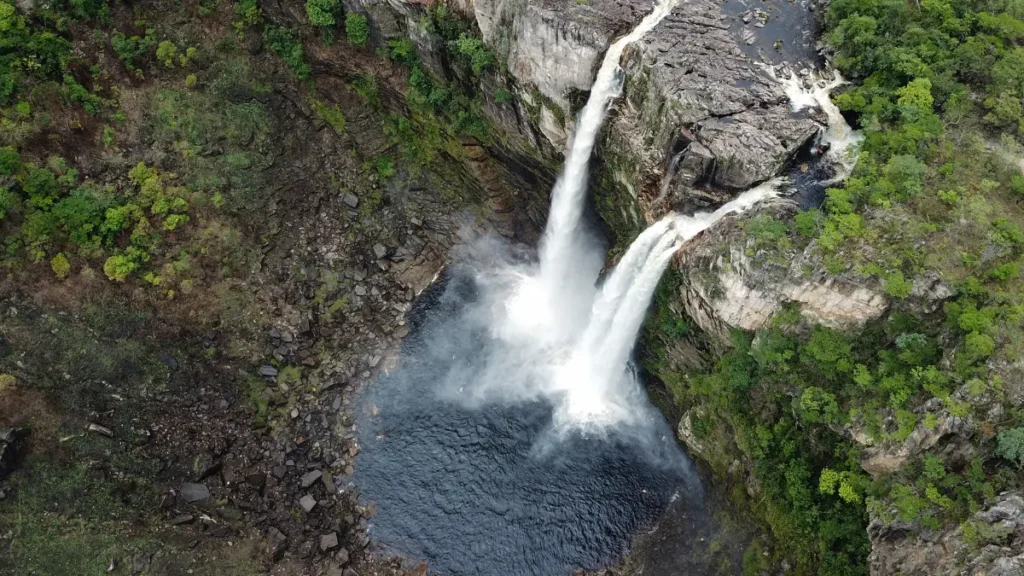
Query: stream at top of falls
pixel 514 436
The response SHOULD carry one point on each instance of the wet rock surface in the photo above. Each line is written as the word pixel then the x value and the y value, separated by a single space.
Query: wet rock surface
pixel 692 92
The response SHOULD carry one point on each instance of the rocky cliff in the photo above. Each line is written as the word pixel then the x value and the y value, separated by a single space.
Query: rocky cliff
pixel 699 121
pixel 990 543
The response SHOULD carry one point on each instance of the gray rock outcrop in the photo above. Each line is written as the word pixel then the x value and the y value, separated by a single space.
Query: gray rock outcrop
pixel 728 286
pixel 989 543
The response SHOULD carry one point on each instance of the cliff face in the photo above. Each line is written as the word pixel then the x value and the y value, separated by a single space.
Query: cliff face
pixel 699 121
pixel 990 543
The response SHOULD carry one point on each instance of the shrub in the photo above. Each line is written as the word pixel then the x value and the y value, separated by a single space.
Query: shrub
pixel 321 12
pixel 1010 445
pixel 166 52
pixel 808 223
pixel 41 188
pixel 766 231
pixel 174 220
pixel 1017 184
pixel 384 167
pixel 285 43
pixel 119 266
pixel 10 161
pixel 357 29
pixel 330 114
pixel 8 200
pixel 817 405
pixel 979 346
pixel 130 48
pixel 896 285
pixel 249 14
pixel 60 265
pixel 473 48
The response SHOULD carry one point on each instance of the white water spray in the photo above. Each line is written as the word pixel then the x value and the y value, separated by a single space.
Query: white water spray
pixel 595 380
pixel 839 137
pixel 557 247
pixel 560 338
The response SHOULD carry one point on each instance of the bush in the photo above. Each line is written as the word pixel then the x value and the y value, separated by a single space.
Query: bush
pixel 321 12
pixel 1010 445
pixel 357 29
pixel 285 42
pixel 129 49
pixel 119 266
pixel 808 223
pixel 10 162
pixel 896 285
pixel 818 406
pixel 474 49
pixel 333 115
pixel 8 200
pixel 60 265
pixel 249 14
pixel 978 346
pixel 766 231
pixel 166 51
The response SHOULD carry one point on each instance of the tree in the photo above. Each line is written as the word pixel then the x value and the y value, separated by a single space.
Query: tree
pixel 1008 73
pixel 915 99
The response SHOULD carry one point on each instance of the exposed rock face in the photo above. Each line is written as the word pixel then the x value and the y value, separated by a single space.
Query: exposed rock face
pixel 554 46
pixel 727 288
pixel 884 458
pixel 691 88
pixel 994 546
pixel 691 93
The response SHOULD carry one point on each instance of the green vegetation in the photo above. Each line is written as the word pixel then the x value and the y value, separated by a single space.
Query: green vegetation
pixel 333 115
pixel 322 12
pixel 357 29
pixel 285 42
pixel 249 13
pixel 132 50
pixel 1011 445
pixel 937 94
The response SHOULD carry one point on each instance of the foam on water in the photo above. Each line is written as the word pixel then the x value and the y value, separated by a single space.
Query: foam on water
pixel 839 137
pixel 569 259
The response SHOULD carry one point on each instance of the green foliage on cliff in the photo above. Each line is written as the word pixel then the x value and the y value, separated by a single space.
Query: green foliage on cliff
pixel 937 91
pixel 357 29
pixel 286 43
pixel 322 12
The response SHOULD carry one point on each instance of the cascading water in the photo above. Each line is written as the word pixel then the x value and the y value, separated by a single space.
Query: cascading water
pixel 513 437
pixel 596 381
pixel 570 189
pixel 568 263
pixel 838 137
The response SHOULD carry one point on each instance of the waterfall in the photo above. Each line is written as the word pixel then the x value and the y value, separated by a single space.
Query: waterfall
pixel 838 136
pixel 561 337
pixel 569 193
pixel 551 307
pixel 595 379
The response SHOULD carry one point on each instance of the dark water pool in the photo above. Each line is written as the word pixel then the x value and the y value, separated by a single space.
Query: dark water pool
pixel 485 491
